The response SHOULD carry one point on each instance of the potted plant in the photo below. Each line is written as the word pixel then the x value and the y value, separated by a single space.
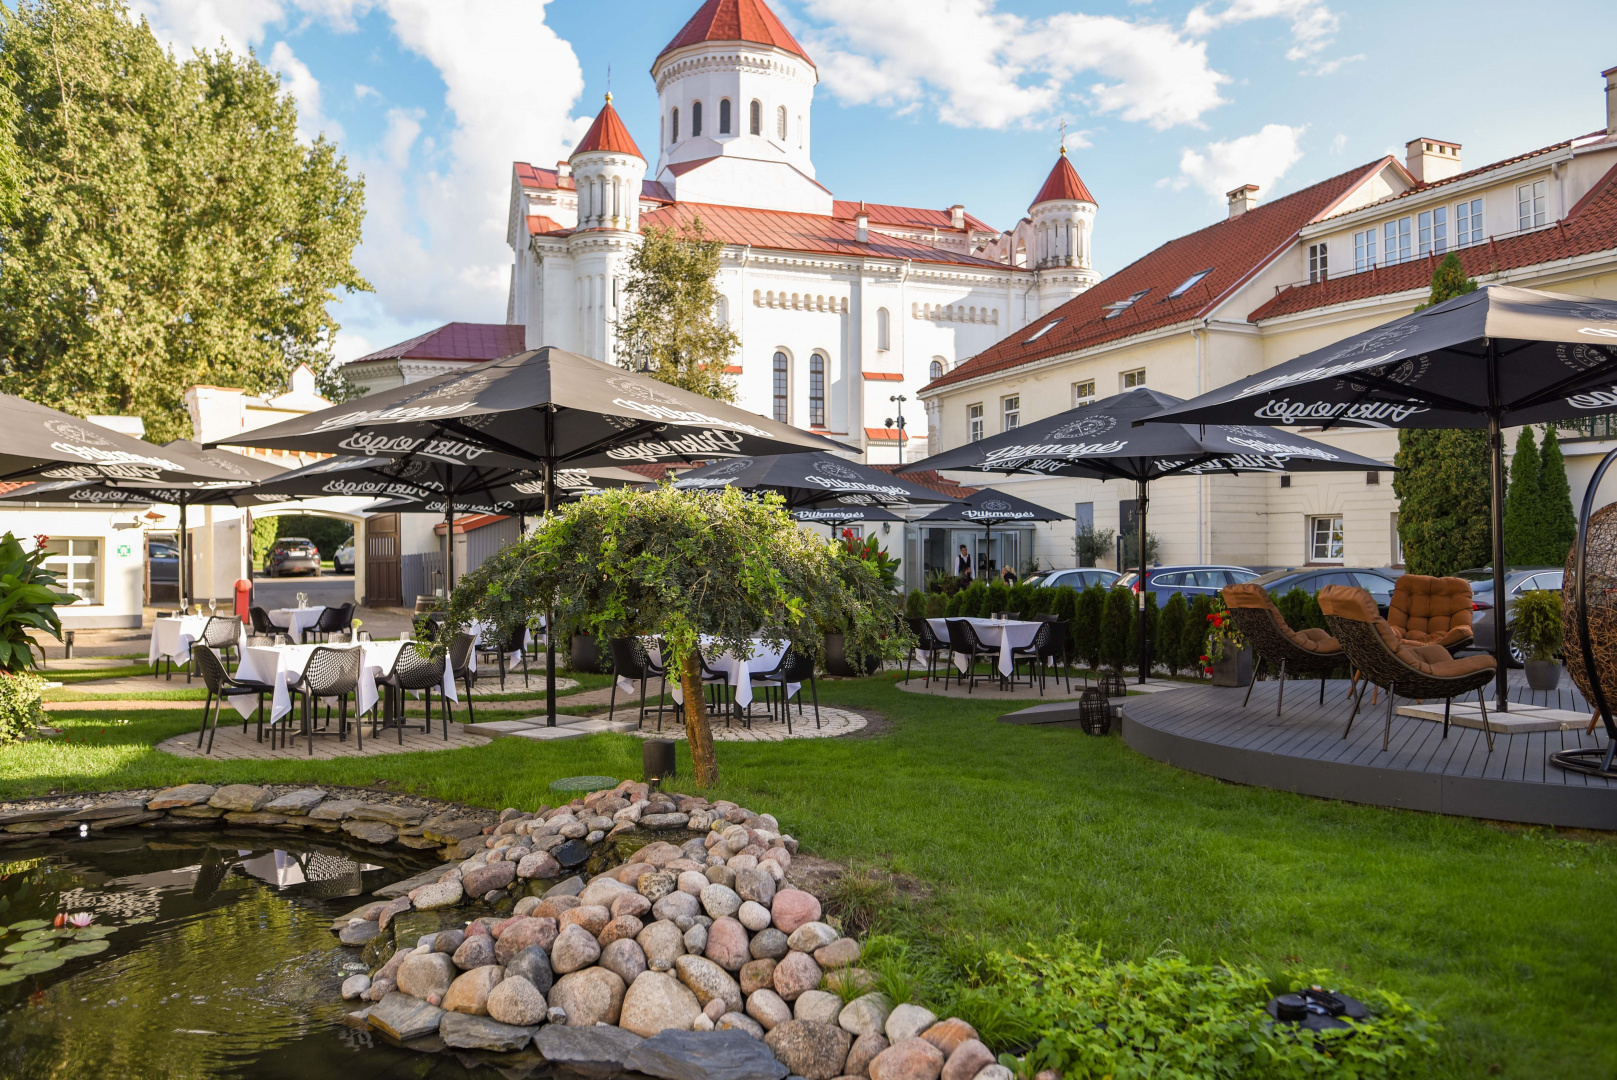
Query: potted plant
pixel 1228 660
pixel 28 599
pixel 1537 629
pixel 870 552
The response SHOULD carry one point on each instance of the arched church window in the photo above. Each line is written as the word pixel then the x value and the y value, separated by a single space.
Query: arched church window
pixel 696 119
pixel 757 117
pixel 724 116
pixel 675 124
pixel 721 311
pixel 782 387
pixel 817 390
pixel 883 342
pixel 780 122
pixel 936 370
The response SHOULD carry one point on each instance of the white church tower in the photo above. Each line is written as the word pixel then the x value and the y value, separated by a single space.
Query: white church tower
pixel 1063 215
pixel 607 173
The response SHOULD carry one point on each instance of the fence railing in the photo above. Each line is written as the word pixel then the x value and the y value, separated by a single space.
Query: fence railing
pixel 1600 426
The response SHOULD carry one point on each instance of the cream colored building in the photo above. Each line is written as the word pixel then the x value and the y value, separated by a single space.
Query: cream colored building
pixel 1272 282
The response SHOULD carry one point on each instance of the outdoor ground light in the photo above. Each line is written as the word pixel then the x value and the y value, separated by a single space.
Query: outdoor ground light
pixel 657 760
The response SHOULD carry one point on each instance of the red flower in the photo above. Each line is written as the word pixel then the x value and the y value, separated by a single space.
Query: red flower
pixel 40 539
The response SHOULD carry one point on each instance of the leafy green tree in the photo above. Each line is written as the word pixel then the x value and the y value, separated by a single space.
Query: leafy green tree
pixel 1558 528
pixel 1128 547
pixel 1090 545
pixel 680 566
pixel 915 604
pixel 10 159
pixel 173 230
pixel 1171 633
pixel 1300 609
pixel 1448 281
pixel 266 531
pixel 670 329
pixel 1524 520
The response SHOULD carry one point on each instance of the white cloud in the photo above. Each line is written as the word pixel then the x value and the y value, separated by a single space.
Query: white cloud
pixel 403 125
pixel 980 67
pixel 1261 158
pixel 1313 25
pixel 300 82
pixel 240 24
pixel 1339 144
pixel 361 92
pixel 1331 67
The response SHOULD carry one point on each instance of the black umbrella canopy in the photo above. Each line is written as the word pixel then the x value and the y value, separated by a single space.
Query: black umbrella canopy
pixel 542 406
pixel 991 507
pixel 838 514
pixel 808 480
pixel 37 441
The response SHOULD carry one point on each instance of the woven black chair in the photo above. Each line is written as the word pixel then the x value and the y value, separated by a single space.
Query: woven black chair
pixel 461 670
pixel 330 673
pixel 963 639
pixel 263 625
pixel 931 645
pixel 512 642
pixel 222 686
pixel 631 661
pixel 333 620
pixel 1297 652
pixel 796 666
pixel 411 671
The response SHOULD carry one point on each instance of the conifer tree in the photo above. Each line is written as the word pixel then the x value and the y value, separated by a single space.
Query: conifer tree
pixel 1171 634
pixel 1525 540
pixel 1558 528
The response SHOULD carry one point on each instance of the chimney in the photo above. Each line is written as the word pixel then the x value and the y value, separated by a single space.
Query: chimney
pixel 957 216
pixel 1242 199
pixel 1611 101
pixel 1431 160
pixel 564 169
pixel 861 225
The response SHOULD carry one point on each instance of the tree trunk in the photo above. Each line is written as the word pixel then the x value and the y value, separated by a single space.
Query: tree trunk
pixel 697 731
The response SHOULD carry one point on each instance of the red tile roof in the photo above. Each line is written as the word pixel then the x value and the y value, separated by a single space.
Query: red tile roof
pixel 539 225
pixel 1063 184
pixel 735 20
pixel 909 217
pixel 931 478
pixel 549 179
pixel 881 434
pixel 883 376
pixel 608 134
pixel 1232 249
pixel 788 231
pixel 456 341
pixel 1590 226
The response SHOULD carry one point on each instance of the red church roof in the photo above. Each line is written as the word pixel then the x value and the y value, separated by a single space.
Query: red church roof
pixel 456 341
pixel 1063 184
pixel 735 20
pixel 608 134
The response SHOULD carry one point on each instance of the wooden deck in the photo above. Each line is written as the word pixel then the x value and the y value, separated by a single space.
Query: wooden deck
pixel 1206 730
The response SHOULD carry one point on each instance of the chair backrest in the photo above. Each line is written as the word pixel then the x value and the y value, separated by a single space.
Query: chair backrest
pixel 963 636
pixel 1056 643
pixel 336 619
pixel 331 671
pixel 261 640
pixel 221 630
pixel 1255 598
pixel 924 637
pixel 460 653
pixel 795 665
pixel 1041 638
pixel 515 637
pixel 426 625
pixel 1010 616
pixel 1423 606
pixel 261 621
pixel 412 671
pixel 210 667
pixel 629 659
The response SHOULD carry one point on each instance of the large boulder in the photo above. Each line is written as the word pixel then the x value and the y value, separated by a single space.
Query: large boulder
pixel 574 950
pixel 968 1059
pixel 811 936
pixel 864 1051
pixel 424 974
pixel 948 1034
pixel 592 917
pixel 656 1002
pixel 661 940
pixel 769 944
pixel 442 894
pixel 865 1015
pixel 907 1022
pixel 590 996
pixel 469 993
pixel 524 933
pixel 403 1017
pixel 766 1007
pixel 708 981
pixel 810 1050
pixel 464 1031
pixel 727 944
pixel 518 1002
pixel 240 797
pixel 818 1006
pixel 602 891
pixel 791 908
pixel 475 951
pixel 625 958
pixel 594 1051
pixel 907 1059
pixel 532 964
pixel 797 973
pixel 487 879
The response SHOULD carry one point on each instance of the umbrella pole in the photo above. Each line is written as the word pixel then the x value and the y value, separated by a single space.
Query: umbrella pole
pixel 449 543
pixel 185 566
pixel 1139 615
pixel 550 616
pixel 1501 632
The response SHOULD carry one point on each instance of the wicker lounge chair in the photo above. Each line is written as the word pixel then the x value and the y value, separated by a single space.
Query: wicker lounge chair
pixel 1385 659
pixel 1300 652
pixel 1432 611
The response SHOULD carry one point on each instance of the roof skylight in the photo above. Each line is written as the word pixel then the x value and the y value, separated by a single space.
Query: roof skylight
pixel 1190 283
pixel 1041 331
pixel 1117 307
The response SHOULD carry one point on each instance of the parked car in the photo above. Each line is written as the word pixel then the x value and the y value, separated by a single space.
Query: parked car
pixel 1311 579
pixel 1518 579
pixel 292 555
pixel 164 556
pixel 342 560
pixel 1080 578
pixel 1193 581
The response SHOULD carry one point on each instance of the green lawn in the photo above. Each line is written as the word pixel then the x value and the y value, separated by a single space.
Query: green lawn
pixel 1017 833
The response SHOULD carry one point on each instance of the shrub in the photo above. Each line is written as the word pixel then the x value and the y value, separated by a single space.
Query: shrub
pixel 1087 627
pixel 1022 599
pixel 1300 609
pixel 937 605
pixel 1150 614
pixel 20 710
pixel 1538 623
pixel 975 603
pixel 955 605
pixel 1171 633
pixel 915 604
pixel 941 581
pixel 999 599
pixel 1193 646
pixel 1165 1018
pixel 1117 628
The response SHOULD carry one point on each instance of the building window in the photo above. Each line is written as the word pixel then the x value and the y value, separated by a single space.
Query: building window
pixel 1530 204
pixel 1364 250
pixel 1395 242
pixel 1189 283
pixel 1397 543
pixel 780 123
pixel 883 326
pixel 782 388
pixel 724 116
pixel 1468 223
pixel 696 119
pixel 1041 331
pixel 1318 266
pixel 1083 392
pixel 817 390
pixel 936 370
pixel 974 422
pixel 1131 379
pixel 1325 539
pixel 757 117
pixel 77 564
pixel 1011 409
pixel 1434 231
pixel 674 125
pixel 1117 307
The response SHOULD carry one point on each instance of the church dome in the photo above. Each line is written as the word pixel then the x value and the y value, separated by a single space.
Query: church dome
pixel 1063 184
pixel 735 20
pixel 608 135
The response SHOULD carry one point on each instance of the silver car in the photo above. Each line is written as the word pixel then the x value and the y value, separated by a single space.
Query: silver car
pixel 1518 579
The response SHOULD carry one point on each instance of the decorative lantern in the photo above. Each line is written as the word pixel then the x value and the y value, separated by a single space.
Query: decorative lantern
pixel 1094 712
pixel 1113 685
pixel 657 759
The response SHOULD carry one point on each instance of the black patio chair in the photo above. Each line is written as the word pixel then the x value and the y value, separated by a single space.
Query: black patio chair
pixel 461 671
pixel 330 673
pixel 631 661
pixel 1033 655
pixel 222 633
pixel 717 683
pixel 930 644
pixel 333 620
pixel 410 672
pixel 963 639
pixel 267 640
pixel 512 642
pixel 263 625
pixel 222 686
pixel 796 666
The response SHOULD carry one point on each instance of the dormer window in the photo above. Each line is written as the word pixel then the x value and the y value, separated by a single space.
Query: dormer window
pixel 1185 286
pixel 1117 307
pixel 1041 331
pixel 757 117
pixel 674 125
pixel 696 119
pixel 724 116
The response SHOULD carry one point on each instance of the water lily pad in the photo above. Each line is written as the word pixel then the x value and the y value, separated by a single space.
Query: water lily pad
pixel 141 919
pixel 37 964
pixel 9 976
pixel 94 933
pixel 82 948
pixel 15 957
pixel 30 944
pixel 46 934
pixel 29 924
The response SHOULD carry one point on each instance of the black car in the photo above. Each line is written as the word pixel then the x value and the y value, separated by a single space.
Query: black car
pixel 293 555
pixel 1311 579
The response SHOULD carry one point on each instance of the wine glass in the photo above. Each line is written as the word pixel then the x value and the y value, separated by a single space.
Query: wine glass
pixel 213 606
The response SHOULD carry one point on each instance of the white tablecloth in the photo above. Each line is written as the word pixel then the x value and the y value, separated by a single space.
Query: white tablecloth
pixel 764 658
pixel 282 665
pixel 297 619
pixel 172 637
pixel 1007 635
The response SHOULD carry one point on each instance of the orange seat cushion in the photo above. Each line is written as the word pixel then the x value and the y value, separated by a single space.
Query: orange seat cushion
pixel 1431 610
pixel 1316 640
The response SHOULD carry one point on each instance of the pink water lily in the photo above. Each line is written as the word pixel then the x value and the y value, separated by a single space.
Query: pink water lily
pixel 81 919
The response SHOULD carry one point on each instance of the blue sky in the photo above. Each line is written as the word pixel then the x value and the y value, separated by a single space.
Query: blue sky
pixel 921 102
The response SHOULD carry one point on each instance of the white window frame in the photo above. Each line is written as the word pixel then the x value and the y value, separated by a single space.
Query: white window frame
pixel 817 360
pixel 1433 230
pixel 67 566
pixel 1319 266
pixel 1131 380
pixel 780 122
pixel 1333 536
pixel 780 403
pixel 1468 222
pixel 1043 330
pixel 1531 203
pixel 1364 250
pixel 755 117
pixel 1189 283
pixel 1010 412
pixel 974 422
pixel 1397 238
pixel 937 368
pixel 1083 392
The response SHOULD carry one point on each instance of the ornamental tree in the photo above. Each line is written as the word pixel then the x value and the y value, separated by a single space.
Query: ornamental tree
pixel 699 570
pixel 1558 530
pixel 1524 512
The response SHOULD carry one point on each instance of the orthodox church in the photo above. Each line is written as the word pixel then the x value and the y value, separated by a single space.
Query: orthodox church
pixel 841 306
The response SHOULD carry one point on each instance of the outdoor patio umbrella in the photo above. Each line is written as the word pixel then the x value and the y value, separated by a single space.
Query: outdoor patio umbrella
pixel 1493 358
pixel 811 480
pixel 840 515
pixel 1101 441
pixel 36 441
pixel 543 410
pixel 989 508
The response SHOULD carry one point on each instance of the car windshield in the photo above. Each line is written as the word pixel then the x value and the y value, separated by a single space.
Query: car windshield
pixel 1035 579
pixel 1127 579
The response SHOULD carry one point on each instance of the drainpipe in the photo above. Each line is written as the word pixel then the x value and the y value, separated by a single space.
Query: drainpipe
pixel 1201 481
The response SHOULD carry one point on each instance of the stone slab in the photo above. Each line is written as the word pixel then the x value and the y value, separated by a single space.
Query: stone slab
pixel 402 1017
pixel 601 1050
pixel 1054 712
pixel 706 1055
pixel 1520 718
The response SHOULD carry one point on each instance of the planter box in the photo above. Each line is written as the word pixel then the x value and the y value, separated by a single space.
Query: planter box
pixel 836 659
pixel 1543 674
pixel 1234 668
pixel 585 655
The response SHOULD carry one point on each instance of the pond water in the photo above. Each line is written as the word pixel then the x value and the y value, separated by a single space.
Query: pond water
pixel 220 961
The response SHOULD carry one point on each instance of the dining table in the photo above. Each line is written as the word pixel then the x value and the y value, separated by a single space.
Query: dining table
pixel 281 666
pixel 172 637
pixel 762 657
pixel 297 620
pixel 1007 634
